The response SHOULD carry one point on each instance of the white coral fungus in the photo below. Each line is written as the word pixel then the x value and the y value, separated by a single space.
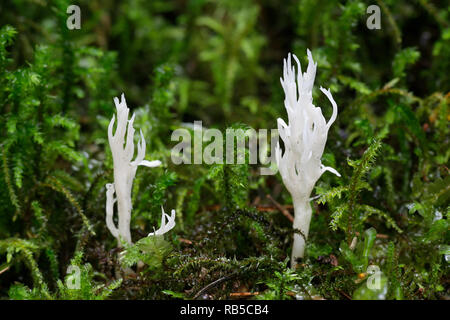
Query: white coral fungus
pixel 304 141
pixel 124 171
pixel 165 227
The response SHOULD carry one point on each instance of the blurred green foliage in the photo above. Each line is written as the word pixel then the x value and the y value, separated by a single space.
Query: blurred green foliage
pixel 220 62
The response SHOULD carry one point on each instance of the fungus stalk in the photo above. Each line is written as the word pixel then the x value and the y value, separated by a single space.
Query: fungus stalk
pixel 125 172
pixel 304 141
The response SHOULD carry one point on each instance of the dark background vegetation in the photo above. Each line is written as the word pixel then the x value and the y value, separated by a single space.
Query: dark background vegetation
pixel 220 62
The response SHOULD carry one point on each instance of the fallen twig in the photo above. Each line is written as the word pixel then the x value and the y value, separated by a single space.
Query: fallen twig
pixel 344 294
pixel 4 270
pixel 185 241
pixel 213 284
pixel 243 294
pixel 283 210
pixel 379 235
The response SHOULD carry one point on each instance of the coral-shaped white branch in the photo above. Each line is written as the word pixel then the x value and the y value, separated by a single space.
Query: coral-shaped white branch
pixel 165 227
pixel 304 141
pixel 124 170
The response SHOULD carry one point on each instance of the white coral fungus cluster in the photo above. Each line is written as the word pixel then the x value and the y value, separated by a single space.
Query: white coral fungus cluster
pixel 125 172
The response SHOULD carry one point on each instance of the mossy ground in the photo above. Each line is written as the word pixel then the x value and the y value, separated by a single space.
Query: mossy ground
pixel 220 62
